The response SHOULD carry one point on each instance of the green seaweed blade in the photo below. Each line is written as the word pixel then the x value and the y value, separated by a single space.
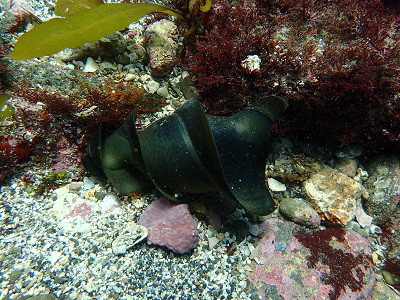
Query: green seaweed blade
pixel 5 110
pixel 65 8
pixel 85 26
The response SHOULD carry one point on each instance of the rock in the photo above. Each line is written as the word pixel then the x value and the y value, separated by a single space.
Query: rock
pixel 110 204
pixel 171 225
pixel 122 59
pixel 334 195
pixel 161 43
pixel 14 276
pixel 251 64
pixel 304 264
pixel 212 242
pixel 390 242
pixel 163 91
pixel 72 211
pixel 383 186
pixel 43 297
pixel 75 186
pixel 299 211
pixel 90 66
pixel 151 86
pixel 383 292
pixel 347 166
pixel 296 168
pixel 275 185
pixel 128 238
pixel 108 46
pixel 350 151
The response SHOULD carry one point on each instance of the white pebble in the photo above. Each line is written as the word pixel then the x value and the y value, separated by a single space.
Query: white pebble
pixel 212 242
pixel 275 185
pixel 90 66
pixel 152 86
pixel 162 91
pixel 129 77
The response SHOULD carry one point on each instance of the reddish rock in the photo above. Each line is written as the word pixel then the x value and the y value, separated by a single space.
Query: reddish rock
pixel 171 225
pixel 383 186
pixel 295 263
pixel 161 43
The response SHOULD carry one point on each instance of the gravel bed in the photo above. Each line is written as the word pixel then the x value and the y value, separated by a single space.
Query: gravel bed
pixel 40 256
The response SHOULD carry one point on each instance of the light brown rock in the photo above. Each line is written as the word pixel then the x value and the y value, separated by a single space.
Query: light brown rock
pixel 334 195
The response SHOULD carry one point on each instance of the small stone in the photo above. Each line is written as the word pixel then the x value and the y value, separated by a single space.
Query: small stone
pixel 300 212
pixel 388 277
pixel 251 63
pixel 90 66
pixel 75 186
pixel 129 77
pixel 347 166
pixel 122 59
pixel 14 276
pixel 109 204
pixel 128 238
pixel 275 185
pixel 152 86
pixel 163 91
pixel 88 183
pixel 99 195
pixel 350 152
pixel 212 242
pixel 220 236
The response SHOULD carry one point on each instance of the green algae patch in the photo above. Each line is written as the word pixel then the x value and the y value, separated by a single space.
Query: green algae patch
pixel 84 26
pixel 5 110
pixel 65 8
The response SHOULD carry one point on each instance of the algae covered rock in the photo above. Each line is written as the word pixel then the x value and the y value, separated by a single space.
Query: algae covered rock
pixel 161 43
pixel 291 262
pixel 383 186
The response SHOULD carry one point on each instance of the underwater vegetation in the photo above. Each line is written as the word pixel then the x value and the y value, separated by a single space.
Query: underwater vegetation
pixel 5 109
pixel 335 62
pixel 189 152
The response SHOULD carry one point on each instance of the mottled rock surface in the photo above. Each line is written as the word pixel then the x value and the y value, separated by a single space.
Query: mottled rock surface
pixel 347 166
pixel 161 43
pixel 299 211
pixel 171 225
pixel 383 292
pixel 390 238
pixel 334 195
pixel 383 186
pixel 108 46
pixel 291 262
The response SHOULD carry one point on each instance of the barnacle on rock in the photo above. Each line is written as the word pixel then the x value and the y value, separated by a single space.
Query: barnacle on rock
pixel 189 152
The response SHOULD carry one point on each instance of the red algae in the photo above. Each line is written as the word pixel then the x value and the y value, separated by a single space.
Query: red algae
pixel 345 268
pixel 335 62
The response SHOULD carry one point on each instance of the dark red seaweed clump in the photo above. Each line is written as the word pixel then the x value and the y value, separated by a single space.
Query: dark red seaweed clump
pixel 341 264
pixel 336 62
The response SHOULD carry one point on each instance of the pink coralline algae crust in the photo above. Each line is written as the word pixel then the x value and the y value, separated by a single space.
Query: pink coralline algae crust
pixel 296 263
pixel 170 225
pixel 83 210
